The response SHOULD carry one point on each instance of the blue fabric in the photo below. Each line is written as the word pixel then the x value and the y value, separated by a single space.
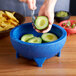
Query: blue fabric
pixel 15 5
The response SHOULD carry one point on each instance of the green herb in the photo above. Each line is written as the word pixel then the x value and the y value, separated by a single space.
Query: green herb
pixel 68 23
pixel 64 23
pixel 73 26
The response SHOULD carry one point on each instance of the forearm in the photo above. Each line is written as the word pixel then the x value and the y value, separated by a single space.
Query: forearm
pixel 50 3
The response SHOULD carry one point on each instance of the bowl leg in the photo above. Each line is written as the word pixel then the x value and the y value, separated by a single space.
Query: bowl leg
pixel 40 61
pixel 59 54
pixel 17 55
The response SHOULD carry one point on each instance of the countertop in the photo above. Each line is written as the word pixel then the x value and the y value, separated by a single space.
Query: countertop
pixel 55 66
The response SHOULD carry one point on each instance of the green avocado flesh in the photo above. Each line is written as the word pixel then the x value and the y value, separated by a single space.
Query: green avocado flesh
pixel 49 37
pixel 41 22
pixel 26 37
pixel 35 40
pixel 62 14
pixel 46 37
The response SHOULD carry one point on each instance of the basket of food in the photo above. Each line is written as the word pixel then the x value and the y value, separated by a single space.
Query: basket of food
pixel 9 20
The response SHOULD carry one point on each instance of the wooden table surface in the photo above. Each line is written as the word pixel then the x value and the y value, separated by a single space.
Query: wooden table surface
pixel 63 66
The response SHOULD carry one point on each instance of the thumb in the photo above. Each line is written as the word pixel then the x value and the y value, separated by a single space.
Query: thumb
pixel 34 5
pixel 51 19
pixel 30 4
pixel 23 1
pixel 40 13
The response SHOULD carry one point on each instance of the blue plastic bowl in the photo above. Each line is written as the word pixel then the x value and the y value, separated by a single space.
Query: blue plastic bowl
pixel 38 52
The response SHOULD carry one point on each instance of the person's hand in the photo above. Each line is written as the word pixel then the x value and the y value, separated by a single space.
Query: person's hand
pixel 47 10
pixel 31 4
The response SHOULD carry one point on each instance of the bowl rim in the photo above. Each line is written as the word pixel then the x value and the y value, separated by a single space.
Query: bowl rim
pixel 26 43
pixel 60 24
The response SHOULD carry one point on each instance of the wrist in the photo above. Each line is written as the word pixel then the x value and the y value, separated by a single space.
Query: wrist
pixel 50 3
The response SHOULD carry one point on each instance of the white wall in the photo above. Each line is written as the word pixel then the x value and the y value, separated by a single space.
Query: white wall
pixel 62 5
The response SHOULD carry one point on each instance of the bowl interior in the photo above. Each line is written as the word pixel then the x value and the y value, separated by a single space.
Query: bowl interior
pixel 17 32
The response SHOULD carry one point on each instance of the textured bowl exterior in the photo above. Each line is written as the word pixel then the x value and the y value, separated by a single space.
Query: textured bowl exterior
pixel 38 52
pixel 30 50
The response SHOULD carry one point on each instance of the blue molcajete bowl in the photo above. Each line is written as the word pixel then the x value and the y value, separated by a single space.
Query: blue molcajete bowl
pixel 38 52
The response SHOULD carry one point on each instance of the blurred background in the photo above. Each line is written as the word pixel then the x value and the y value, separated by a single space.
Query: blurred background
pixel 15 5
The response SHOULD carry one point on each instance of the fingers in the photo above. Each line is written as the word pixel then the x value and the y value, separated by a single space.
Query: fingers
pixel 31 4
pixel 48 29
pixel 48 14
pixel 43 31
pixel 51 18
pixel 41 12
pixel 34 4
pixel 51 21
pixel 25 1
